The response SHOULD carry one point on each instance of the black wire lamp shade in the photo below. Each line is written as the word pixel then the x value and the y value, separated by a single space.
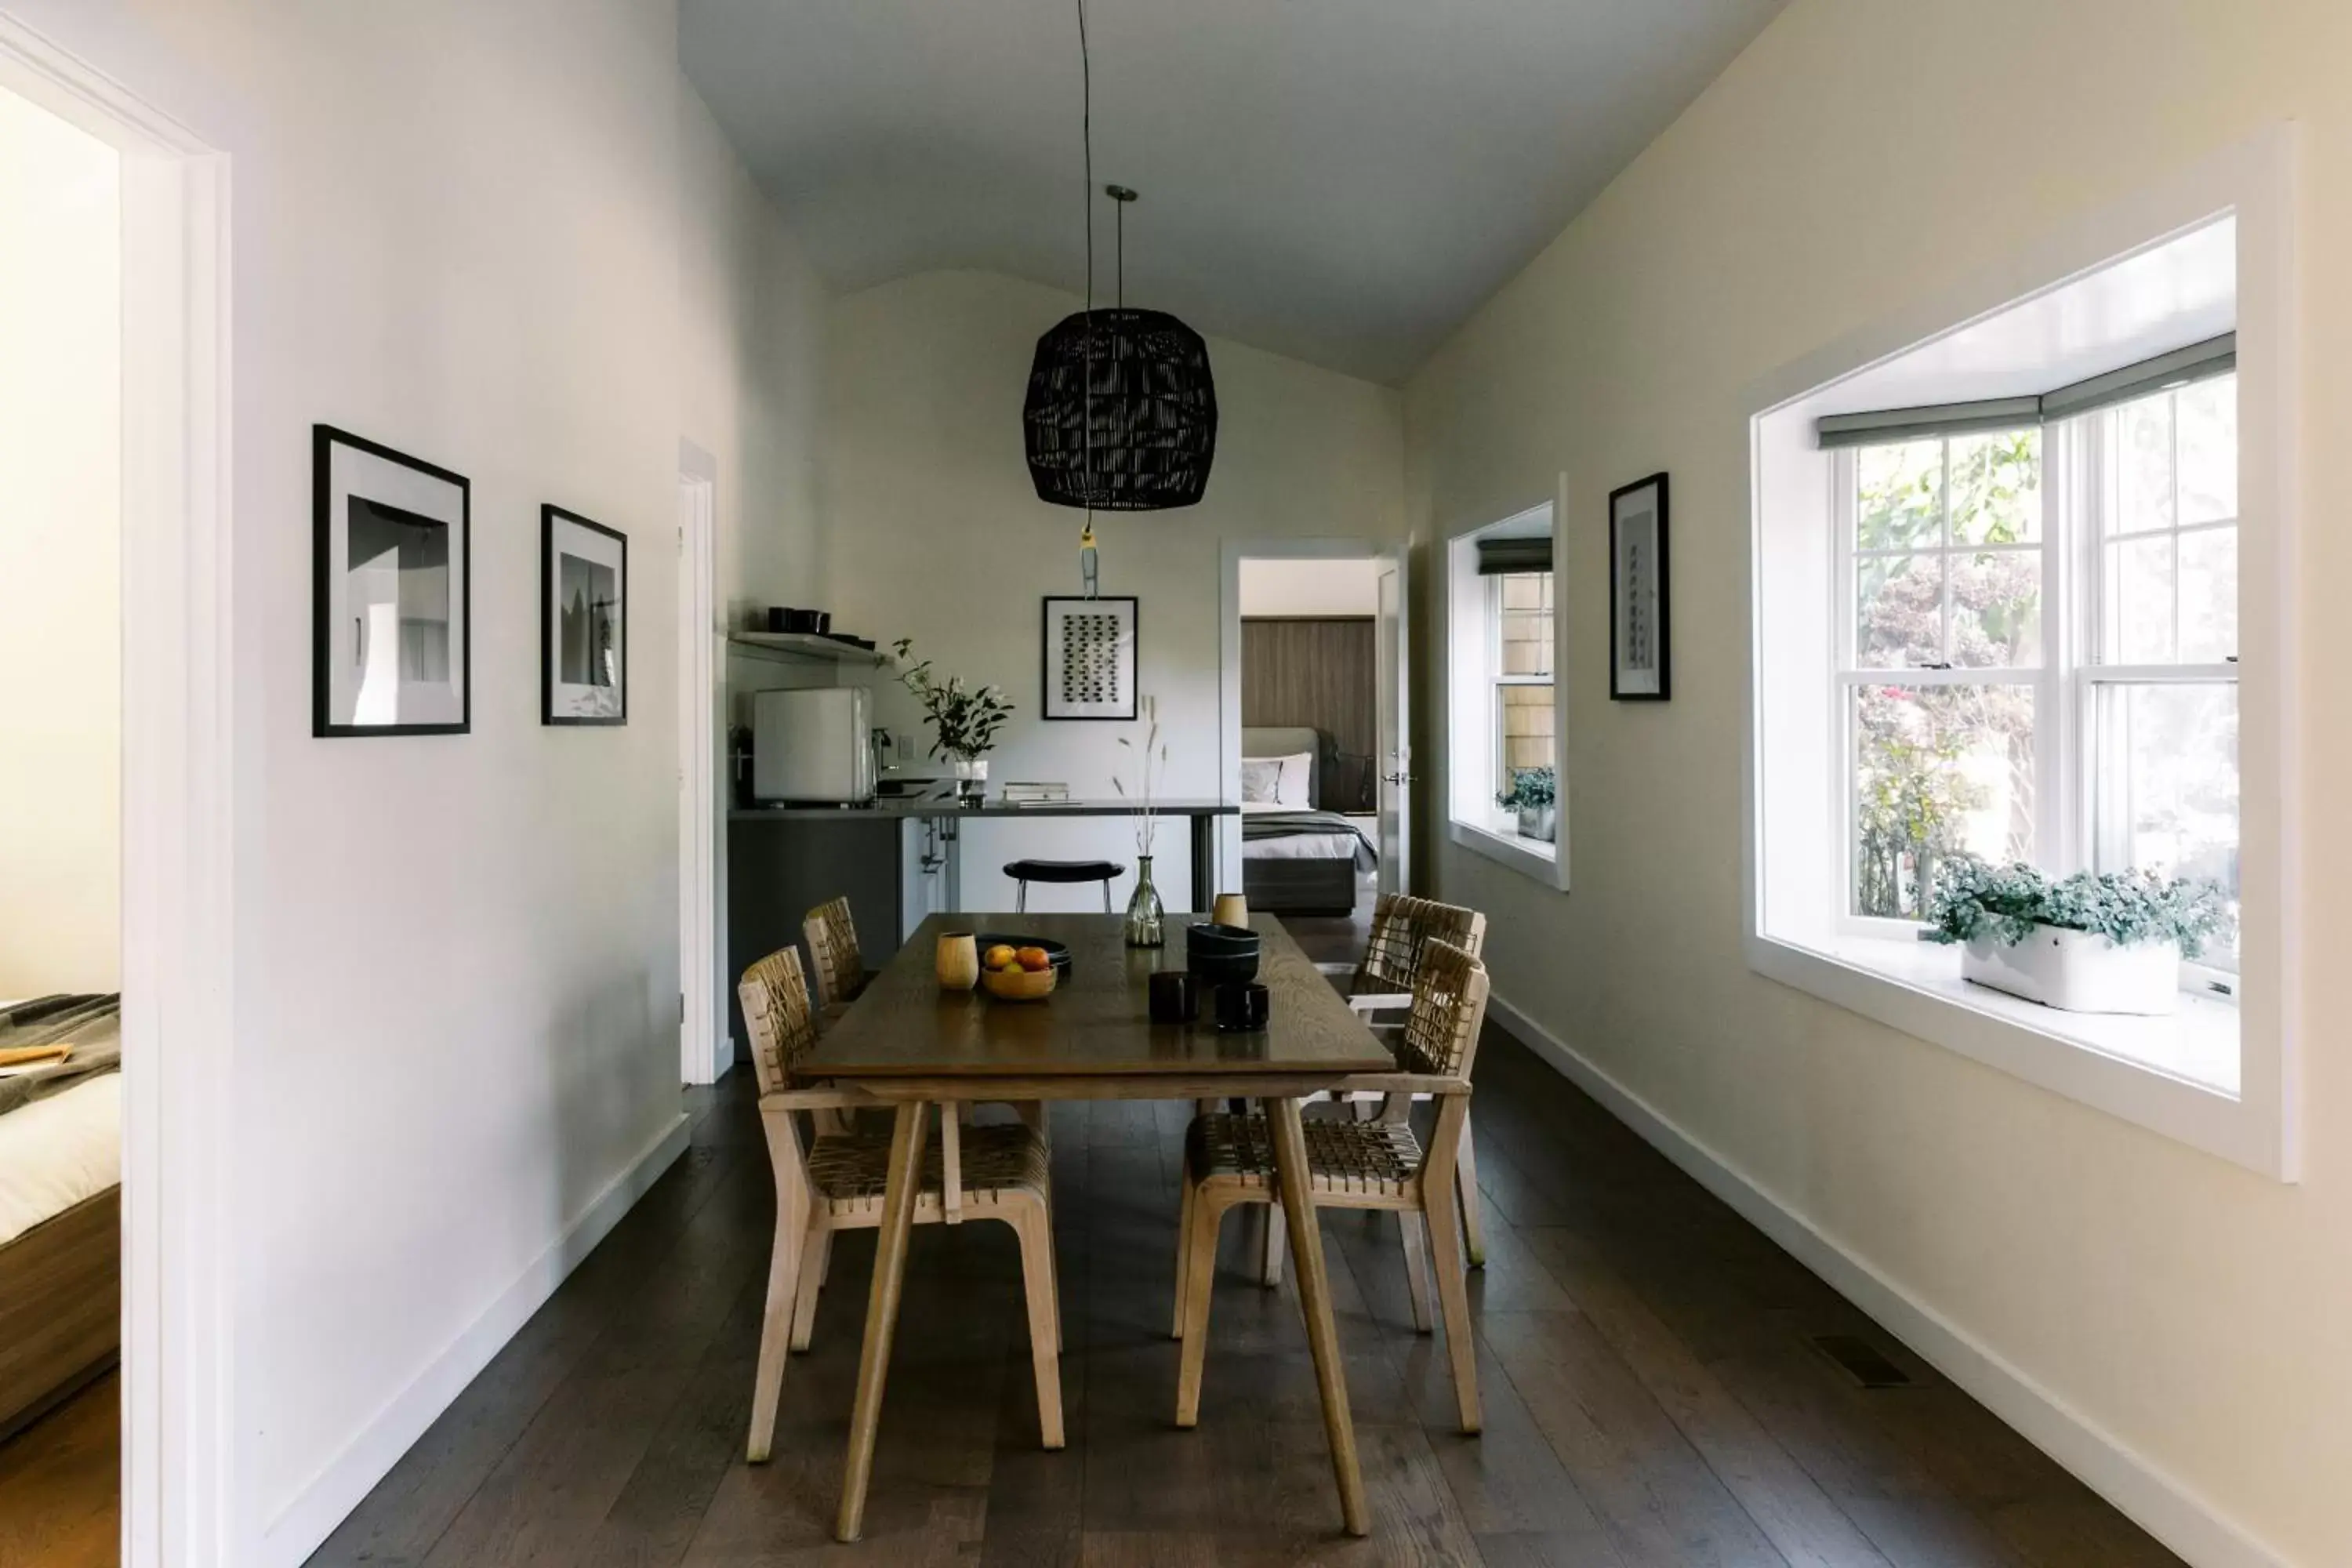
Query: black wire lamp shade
pixel 1121 413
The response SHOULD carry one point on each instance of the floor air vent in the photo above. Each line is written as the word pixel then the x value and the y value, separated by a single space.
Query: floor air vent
pixel 1861 1361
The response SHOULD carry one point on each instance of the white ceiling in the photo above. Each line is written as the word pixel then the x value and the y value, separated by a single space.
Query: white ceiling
pixel 1342 181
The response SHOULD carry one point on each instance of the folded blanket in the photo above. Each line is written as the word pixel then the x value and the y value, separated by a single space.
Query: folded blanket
pixel 92 1026
pixel 1298 823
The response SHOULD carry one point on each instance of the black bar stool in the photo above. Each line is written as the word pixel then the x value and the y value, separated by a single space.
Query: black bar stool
pixel 1028 871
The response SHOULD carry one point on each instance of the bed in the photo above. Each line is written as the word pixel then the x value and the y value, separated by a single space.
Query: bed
pixel 1296 860
pixel 60 1204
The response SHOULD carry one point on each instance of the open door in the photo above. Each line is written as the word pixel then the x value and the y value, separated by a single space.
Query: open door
pixel 1394 727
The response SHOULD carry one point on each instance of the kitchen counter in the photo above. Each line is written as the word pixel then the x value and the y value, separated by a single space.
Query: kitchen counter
pixel 912 806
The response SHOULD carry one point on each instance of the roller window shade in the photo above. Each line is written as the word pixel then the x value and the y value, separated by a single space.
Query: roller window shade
pixel 2198 361
pixel 1498 556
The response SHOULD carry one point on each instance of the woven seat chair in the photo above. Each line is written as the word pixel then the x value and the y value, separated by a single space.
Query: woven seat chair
pixel 1229 1160
pixel 840 968
pixel 835 1181
pixel 1381 981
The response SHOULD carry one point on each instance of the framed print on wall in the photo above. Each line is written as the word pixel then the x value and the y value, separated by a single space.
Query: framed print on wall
pixel 583 612
pixel 1089 658
pixel 1639 670
pixel 390 592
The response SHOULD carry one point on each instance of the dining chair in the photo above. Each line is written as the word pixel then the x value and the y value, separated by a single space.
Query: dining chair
pixel 832 937
pixel 1381 981
pixel 835 1180
pixel 1380 1164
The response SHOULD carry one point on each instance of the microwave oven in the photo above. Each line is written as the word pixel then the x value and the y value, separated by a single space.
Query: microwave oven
pixel 814 747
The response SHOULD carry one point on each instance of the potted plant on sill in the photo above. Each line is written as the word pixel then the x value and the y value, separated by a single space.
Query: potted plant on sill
pixel 964 720
pixel 2090 942
pixel 1535 795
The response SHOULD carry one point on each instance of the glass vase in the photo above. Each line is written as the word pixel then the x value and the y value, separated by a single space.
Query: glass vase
pixel 1146 920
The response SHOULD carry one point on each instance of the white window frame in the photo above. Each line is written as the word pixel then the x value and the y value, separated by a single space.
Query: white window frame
pixel 2226 1081
pixel 1472 752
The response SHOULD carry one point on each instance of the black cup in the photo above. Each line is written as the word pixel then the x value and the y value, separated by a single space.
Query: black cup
pixel 1242 1007
pixel 1175 997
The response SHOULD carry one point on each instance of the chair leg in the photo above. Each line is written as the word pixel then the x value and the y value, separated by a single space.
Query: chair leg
pixel 1416 1267
pixel 1269 1261
pixel 1465 1187
pixel 1199 1286
pixel 813 1254
pixel 824 1260
pixel 1106 909
pixel 1021 897
pixel 1031 1223
pixel 1185 1206
pixel 1453 1298
pixel 776 1328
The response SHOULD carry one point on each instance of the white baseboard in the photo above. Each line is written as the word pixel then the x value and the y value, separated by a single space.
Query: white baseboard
pixel 367 1459
pixel 2158 1502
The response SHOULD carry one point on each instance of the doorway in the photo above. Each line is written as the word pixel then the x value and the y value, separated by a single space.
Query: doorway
pixel 1314 686
pixel 170 469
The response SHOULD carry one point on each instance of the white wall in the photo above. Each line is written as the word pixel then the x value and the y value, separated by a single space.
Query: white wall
pixel 60 565
pixel 933 531
pixel 502 238
pixel 1271 587
pixel 1862 155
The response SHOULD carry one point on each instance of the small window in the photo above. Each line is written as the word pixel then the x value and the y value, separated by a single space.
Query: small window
pixel 1504 745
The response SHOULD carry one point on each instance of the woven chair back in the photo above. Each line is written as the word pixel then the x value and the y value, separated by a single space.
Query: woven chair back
pixel 1449 1006
pixel 783 1025
pixel 1402 926
pixel 832 947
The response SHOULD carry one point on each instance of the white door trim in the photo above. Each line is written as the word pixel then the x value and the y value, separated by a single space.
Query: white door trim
pixel 1229 663
pixel 704 1049
pixel 178 1052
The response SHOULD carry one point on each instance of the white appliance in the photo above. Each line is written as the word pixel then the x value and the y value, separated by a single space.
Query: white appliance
pixel 813 746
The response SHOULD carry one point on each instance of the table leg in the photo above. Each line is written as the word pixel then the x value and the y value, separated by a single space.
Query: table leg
pixel 1204 862
pixel 906 1172
pixel 1315 1298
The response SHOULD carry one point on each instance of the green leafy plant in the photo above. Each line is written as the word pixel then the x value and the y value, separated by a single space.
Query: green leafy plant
pixel 964 720
pixel 1975 898
pixel 1531 787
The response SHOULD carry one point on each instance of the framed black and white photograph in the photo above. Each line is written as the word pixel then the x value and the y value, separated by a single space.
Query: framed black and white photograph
pixel 1638 666
pixel 584 612
pixel 390 592
pixel 1089 658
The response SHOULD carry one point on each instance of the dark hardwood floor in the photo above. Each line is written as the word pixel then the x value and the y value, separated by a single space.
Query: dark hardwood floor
pixel 1652 1395
pixel 60 1483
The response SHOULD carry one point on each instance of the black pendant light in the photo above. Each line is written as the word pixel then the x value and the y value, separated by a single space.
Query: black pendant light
pixel 1121 413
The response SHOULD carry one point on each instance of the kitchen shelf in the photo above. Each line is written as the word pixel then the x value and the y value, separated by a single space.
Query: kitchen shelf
pixel 806 645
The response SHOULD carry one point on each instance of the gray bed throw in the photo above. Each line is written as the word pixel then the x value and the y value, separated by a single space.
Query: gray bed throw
pixel 1298 823
pixel 91 1024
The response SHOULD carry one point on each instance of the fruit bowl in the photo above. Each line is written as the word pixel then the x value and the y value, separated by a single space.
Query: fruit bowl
pixel 1019 985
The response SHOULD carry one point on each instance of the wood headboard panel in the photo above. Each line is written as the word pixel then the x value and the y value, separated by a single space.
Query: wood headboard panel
pixel 1315 673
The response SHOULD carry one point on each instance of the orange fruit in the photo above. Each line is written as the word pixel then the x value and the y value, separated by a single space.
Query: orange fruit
pixel 1034 958
pixel 999 957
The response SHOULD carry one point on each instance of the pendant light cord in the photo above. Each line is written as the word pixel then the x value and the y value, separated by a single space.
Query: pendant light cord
pixel 1087 141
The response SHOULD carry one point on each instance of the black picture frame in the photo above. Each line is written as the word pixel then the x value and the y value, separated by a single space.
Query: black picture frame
pixel 324 722
pixel 1637 674
pixel 1047 702
pixel 550 518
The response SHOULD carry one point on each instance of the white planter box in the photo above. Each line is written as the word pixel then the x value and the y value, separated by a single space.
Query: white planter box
pixel 2079 972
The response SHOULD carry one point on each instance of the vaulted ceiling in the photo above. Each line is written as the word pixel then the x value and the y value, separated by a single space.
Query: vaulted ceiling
pixel 1342 181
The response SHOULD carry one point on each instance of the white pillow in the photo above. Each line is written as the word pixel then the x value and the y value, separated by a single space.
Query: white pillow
pixel 1298 770
pixel 1261 781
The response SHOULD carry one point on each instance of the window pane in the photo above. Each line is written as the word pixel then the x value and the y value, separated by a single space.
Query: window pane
pixel 2208 415
pixel 1997 609
pixel 1899 623
pixel 1901 495
pixel 2144 465
pixel 1938 769
pixel 1527 716
pixel 2209 596
pixel 1525 591
pixel 1527 645
pixel 2166 785
pixel 2138 614
pixel 1995 487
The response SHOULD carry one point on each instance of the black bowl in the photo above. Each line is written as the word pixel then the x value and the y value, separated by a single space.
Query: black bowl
pixel 1213 970
pixel 1221 940
pixel 1058 952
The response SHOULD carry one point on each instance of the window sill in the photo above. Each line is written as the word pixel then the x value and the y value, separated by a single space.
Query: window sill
pixel 1530 857
pixel 2178 1075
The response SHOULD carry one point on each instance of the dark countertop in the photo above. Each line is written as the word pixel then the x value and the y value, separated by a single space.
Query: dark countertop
pixel 896 809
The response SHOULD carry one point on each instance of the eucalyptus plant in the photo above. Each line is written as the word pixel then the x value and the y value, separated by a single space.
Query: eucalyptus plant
pixel 1534 788
pixel 964 720
pixel 1975 898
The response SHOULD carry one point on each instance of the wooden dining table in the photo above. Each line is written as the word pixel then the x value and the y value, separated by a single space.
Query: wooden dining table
pixel 906 1044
